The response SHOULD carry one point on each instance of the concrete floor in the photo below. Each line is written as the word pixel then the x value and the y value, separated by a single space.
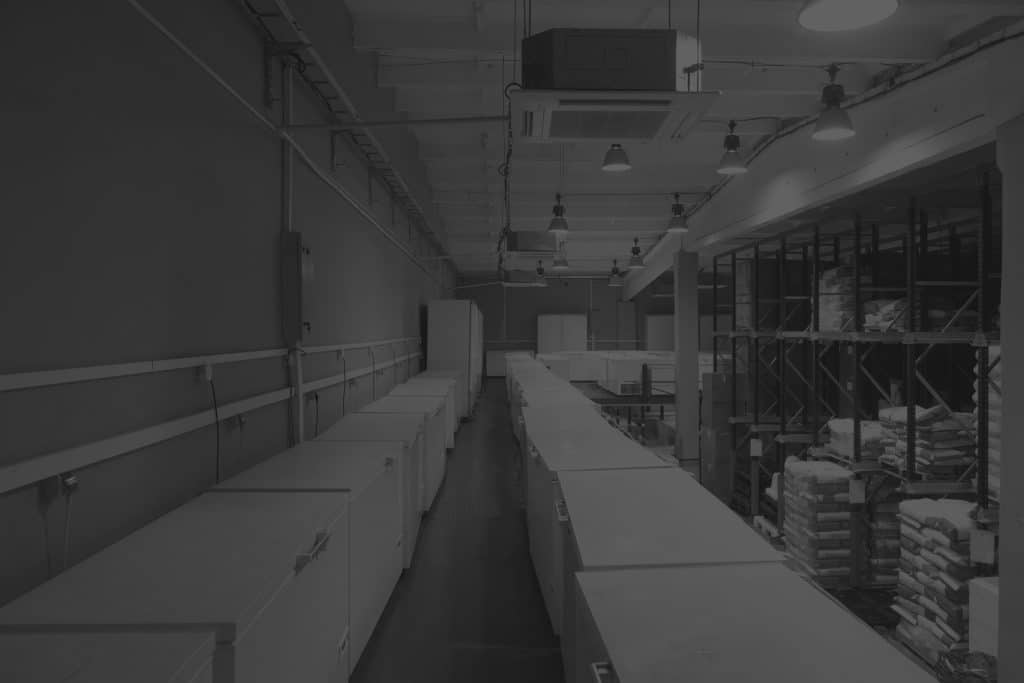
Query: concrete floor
pixel 469 609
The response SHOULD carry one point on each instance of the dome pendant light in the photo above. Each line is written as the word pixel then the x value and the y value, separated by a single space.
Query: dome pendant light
pixel 615 278
pixel 732 161
pixel 558 226
pixel 845 15
pixel 560 262
pixel 615 160
pixel 834 123
pixel 636 261
pixel 677 224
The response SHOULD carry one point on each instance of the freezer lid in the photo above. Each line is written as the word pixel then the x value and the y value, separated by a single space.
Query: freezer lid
pixel 428 405
pixel 602 449
pixel 734 624
pixel 104 657
pixel 321 465
pixel 403 427
pixel 655 517
pixel 218 559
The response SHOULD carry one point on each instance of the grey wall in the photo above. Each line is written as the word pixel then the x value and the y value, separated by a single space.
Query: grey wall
pixel 143 211
pixel 510 313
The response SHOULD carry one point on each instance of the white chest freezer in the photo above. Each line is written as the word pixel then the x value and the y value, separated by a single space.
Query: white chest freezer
pixel 439 386
pixel 185 657
pixel 406 432
pixel 612 519
pixel 462 403
pixel 370 473
pixel 267 572
pixel 741 623
pixel 550 452
pixel 435 454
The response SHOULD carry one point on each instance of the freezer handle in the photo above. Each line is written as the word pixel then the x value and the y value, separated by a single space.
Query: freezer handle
pixel 601 671
pixel 562 511
pixel 302 560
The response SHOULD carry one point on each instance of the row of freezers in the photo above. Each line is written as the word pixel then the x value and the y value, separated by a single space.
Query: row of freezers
pixel 279 573
pixel 648 577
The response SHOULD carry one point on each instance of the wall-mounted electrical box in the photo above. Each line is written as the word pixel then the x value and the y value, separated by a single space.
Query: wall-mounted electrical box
pixel 296 275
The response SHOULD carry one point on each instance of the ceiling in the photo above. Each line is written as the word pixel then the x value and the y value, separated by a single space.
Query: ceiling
pixel 452 58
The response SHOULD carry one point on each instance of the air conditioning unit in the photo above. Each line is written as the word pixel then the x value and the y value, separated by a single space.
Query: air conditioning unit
pixel 614 85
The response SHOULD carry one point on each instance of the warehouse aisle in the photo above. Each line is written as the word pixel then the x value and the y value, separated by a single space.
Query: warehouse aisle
pixel 469 609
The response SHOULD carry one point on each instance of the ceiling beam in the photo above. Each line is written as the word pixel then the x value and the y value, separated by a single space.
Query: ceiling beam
pixel 771 42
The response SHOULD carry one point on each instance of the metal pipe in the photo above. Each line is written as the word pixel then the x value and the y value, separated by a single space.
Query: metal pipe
pixel 324 176
pixel 360 125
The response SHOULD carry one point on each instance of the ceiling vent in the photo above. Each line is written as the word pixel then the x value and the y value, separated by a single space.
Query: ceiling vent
pixel 613 85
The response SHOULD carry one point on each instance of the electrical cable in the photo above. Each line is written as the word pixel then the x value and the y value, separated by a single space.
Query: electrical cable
pixel 216 428
pixel 316 419
pixel 46 541
pixel 344 383
pixel 67 531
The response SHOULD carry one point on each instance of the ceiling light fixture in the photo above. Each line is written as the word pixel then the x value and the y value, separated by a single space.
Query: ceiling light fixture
pixel 541 280
pixel 615 160
pixel 558 226
pixel 677 224
pixel 615 278
pixel 560 263
pixel 636 261
pixel 845 15
pixel 732 161
pixel 834 123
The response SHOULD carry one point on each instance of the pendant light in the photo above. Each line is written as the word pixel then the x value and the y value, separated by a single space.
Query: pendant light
pixel 615 160
pixel 560 263
pixel 845 15
pixel 615 278
pixel 677 224
pixel 732 161
pixel 558 226
pixel 834 123
pixel 636 261
pixel 541 280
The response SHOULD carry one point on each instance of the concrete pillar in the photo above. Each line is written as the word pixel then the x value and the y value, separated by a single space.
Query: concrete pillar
pixel 1010 150
pixel 687 317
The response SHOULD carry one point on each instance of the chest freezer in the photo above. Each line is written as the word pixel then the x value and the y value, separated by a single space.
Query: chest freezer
pixel 406 432
pixel 728 624
pixel 370 473
pixel 612 519
pixel 434 387
pixel 266 572
pixel 435 455
pixel 552 452
pixel 462 404
pixel 82 657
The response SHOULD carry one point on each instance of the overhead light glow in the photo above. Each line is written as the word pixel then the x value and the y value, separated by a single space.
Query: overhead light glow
pixel 615 160
pixel 845 15
pixel 834 123
pixel 732 161
pixel 636 261
pixel 558 226
pixel 615 278
pixel 560 263
pixel 677 224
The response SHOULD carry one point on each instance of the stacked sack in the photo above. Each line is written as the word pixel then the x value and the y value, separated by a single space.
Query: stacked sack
pixel 883 535
pixel 934 569
pixel 840 439
pixel 817 520
pixel 836 299
pixel 995 420
pixel 886 315
pixel 945 442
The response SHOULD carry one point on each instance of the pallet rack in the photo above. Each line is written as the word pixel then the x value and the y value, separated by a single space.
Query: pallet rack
pixel 791 374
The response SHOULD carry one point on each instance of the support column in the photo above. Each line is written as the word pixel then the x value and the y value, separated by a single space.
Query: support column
pixel 687 317
pixel 1010 150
